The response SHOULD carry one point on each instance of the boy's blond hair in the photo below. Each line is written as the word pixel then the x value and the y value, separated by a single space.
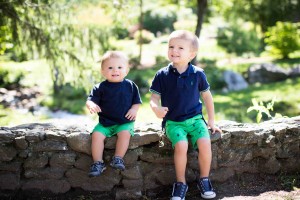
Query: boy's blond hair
pixel 186 35
pixel 113 54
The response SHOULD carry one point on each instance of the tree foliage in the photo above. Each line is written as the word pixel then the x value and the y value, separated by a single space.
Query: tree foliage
pixel 283 39
pixel 48 29
pixel 239 39
pixel 263 12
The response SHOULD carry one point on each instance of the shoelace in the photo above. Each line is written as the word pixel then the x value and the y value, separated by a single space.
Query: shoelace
pixel 206 185
pixel 96 166
pixel 179 192
pixel 118 161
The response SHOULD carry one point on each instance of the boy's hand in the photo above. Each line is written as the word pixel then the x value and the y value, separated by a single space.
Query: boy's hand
pixel 214 128
pixel 92 107
pixel 131 114
pixel 160 112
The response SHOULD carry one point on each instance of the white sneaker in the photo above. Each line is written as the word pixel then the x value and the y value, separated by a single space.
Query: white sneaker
pixel 179 191
pixel 206 189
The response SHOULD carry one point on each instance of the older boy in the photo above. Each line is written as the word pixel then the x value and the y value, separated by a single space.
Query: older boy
pixel 175 97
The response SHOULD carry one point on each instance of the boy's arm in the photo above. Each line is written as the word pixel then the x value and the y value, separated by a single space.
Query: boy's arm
pixel 159 111
pixel 209 104
pixel 92 107
pixel 132 112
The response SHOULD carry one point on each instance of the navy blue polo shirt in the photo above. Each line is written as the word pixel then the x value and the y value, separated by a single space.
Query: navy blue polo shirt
pixel 115 99
pixel 180 92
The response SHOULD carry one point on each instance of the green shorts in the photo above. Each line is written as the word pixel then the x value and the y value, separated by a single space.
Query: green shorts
pixel 195 128
pixel 110 131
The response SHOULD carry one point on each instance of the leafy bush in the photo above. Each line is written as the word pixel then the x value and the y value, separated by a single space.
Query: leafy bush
pixel 238 40
pixel 147 37
pixel 134 61
pixel 214 75
pixel 160 20
pixel 10 79
pixel 283 39
pixel 120 31
pixel 140 81
pixel 261 109
pixel 161 61
pixel 70 92
pixel 68 98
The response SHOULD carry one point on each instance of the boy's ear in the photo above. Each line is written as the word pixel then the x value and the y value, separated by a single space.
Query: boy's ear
pixel 193 54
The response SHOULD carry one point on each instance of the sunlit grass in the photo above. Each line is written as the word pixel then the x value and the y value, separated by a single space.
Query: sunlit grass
pixel 234 105
pixel 145 113
pixel 9 117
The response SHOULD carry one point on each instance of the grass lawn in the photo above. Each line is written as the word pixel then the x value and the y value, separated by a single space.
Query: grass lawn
pixel 234 105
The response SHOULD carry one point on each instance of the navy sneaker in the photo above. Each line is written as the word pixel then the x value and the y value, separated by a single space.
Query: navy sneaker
pixel 206 189
pixel 117 163
pixel 179 191
pixel 97 168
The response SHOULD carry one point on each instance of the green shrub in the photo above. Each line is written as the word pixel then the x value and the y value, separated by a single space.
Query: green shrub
pixel 239 40
pixel 140 81
pixel 161 61
pixel 68 98
pixel 70 92
pixel 214 75
pixel 261 109
pixel 121 32
pixel 147 37
pixel 283 39
pixel 160 20
pixel 134 61
pixel 10 79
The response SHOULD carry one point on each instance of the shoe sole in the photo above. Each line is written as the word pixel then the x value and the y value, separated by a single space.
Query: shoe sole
pixel 98 174
pixel 206 196
pixel 118 168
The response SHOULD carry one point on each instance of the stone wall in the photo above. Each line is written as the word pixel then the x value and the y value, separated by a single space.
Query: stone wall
pixel 56 158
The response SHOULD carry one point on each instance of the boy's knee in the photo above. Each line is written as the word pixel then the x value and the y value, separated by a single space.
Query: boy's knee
pixel 181 146
pixel 98 135
pixel 124 134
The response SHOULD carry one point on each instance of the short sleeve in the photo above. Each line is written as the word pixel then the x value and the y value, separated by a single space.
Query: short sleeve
pixel 95 94
pixel 136 94
pixel 156 85
pixel 203 83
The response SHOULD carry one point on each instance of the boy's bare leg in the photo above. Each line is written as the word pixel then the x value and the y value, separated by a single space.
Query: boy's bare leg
pixel 97 146
pixel 122 143
pixel 180 160
pixel 204 156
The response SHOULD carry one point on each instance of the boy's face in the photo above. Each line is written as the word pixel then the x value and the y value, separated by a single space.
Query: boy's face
pixel 180 52
pixel 115 69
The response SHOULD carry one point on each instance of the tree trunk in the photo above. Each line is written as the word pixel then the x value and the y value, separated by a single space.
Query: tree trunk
pixel 201 9
pixel 141 29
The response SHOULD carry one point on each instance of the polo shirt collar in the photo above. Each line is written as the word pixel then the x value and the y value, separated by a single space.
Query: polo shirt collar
pixel 191 69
